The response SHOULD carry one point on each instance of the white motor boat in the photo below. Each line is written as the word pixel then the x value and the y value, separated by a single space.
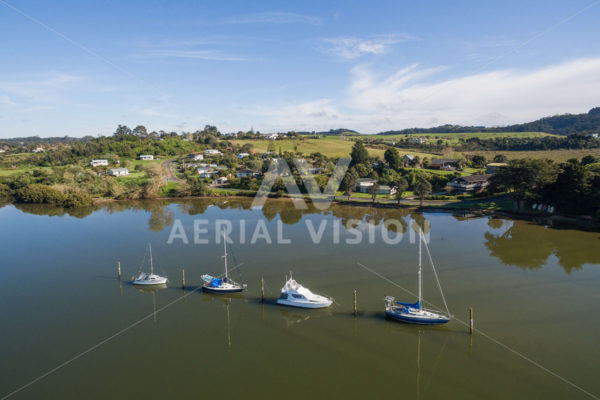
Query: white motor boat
pixel 294 294
pixel 149 279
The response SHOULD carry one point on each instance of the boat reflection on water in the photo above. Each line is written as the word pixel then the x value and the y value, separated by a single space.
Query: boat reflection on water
pixel 151 289
pixel 227 299
pixel 293 317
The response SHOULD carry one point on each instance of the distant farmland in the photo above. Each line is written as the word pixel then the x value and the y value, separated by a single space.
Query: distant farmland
pixel 454 137
pixel 330 147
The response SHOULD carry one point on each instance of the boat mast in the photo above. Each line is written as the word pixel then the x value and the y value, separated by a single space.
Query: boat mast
pixel 420 269
pixel 225 256
pixel 151 265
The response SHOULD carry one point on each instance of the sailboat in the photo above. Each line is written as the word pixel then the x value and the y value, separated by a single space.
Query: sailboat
pixel 225 285
pixel 414 313
pixel 145 278
pixel 295 295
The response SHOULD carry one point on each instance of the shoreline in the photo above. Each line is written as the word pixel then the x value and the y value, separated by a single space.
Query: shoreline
pixel 553 221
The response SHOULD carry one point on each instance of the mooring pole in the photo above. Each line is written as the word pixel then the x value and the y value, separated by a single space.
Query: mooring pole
pixel 355 306
pixel 262 289
pixel 183 278
pixel 471 320
pixel 119 269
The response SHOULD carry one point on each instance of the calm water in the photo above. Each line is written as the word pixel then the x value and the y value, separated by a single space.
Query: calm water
pixel 534 289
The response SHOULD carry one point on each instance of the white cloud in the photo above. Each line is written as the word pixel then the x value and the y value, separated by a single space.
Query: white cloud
pixel 45 89
pixel 274 17
pixel 349 48
pixel 406 99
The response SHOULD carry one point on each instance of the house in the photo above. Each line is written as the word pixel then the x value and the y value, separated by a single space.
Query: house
pixel 408 159
pixel 364 184
pixel 315 171
pixel 2 151
pixel 387 190
pixel 205 172
pixel 418 140
pixel 189 165
pixel 272 136
pixel 98 163
pixel 118 172
pixel 38 149
pixel 220 181
pixel 593 135
pixel 196 156
pixel 212 152
pixel 443 163
pixel 247 173
pixel 242 155
pixel 492 168
pixel 146 157
pixel 471 183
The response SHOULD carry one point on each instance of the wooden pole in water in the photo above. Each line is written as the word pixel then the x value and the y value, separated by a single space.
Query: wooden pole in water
pixel 119 269
pixel 262 289
pixel 355 307
pixel 183 278
pixel 471 320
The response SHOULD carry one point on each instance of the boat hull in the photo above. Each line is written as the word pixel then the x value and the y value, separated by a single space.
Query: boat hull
pixel 150 283
pixel 219 290
pixel 298 304
pixel 409 319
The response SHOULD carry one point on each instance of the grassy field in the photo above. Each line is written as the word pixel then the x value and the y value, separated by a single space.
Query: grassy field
pixel 330 147
pixel 451 138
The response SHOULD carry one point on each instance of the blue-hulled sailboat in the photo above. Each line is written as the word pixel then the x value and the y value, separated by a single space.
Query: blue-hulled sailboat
pixel 414 313
pixel 225 285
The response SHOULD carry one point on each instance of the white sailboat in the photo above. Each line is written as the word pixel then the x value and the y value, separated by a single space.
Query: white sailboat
pixel 147 279
pixel 225 285
pixel 414 313
pixel 295 295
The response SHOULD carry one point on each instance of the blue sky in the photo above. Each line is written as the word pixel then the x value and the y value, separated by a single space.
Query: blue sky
pixel 81 68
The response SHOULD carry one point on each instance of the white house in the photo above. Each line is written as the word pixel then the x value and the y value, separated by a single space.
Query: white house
pixel 470 183
pixel 272 136
pixel 594 135
pixel 220 181
pixel 315 171
pixel 205 172
pixel 118 172
pixel 196 156
pixel 212 152
pixel 38 149
pixel 242 155
pixel 146 157
pixel 2 151
pixel 98 163
pixel 365 185
pixel 246 173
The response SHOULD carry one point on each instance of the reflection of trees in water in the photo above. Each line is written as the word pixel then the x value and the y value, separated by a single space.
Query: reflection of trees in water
pixel 53 211
pixel 527 245
pixel 161 216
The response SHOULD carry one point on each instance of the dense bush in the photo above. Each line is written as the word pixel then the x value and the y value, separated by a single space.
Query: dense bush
pixel 41 194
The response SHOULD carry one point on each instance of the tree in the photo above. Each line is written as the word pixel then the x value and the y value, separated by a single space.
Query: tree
pixel 349 182
pixel 422 189
pixel 122 130
pixel 373 190
pixel 140 131
pixel 392 157
pixel 401 186
pixel 271 147
pixel 359 153
pixel 478 161
pixel 589 160
pixel 500 158
pixel 525 179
